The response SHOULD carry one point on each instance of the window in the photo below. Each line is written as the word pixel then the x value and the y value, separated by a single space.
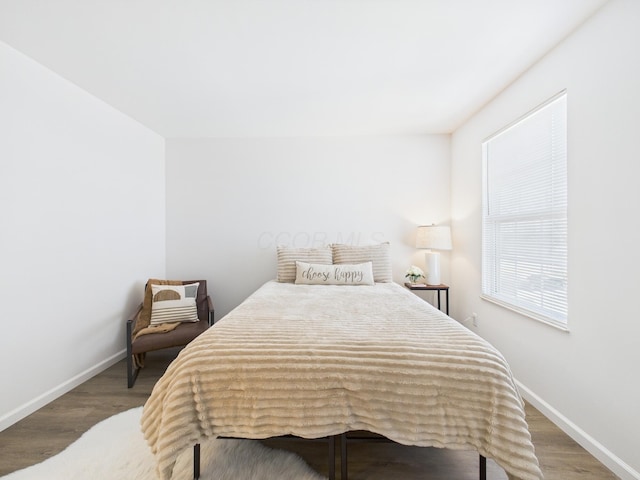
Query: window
pixel 524 214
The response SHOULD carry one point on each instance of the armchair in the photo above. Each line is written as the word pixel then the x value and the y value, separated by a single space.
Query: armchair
pixel 141 338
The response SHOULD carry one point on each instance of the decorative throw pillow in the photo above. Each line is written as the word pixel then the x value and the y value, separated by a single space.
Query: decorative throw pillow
pixel 287 257
pixel 378 254
pixel 174 303
pixel 315 274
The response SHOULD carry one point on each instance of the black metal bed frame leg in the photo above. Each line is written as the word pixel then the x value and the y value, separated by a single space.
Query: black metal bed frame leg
pixel 196 461
pixel 343 456
pixel 483 468
pixel 332 457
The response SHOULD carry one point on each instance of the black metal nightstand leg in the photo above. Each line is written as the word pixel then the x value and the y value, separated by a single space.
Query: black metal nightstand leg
pixel 446 293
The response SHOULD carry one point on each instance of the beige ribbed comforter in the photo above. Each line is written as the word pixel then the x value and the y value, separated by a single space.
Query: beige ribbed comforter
pixel 321 360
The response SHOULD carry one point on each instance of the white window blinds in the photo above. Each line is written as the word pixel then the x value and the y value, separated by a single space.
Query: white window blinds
pixel 524 221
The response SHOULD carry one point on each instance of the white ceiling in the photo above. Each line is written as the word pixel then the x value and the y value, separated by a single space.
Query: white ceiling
pixel 229 68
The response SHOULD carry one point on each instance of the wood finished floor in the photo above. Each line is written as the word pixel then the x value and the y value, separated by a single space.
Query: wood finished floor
pixel 52 428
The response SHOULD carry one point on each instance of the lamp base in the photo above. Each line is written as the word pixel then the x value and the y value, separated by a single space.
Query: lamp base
pixel 433 268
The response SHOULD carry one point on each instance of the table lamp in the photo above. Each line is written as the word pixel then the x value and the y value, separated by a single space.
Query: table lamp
pixel 433 237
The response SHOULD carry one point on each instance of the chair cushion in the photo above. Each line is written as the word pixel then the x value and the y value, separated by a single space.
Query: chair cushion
pixel 181 335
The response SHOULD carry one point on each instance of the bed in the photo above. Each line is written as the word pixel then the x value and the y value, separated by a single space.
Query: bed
pixel 319 360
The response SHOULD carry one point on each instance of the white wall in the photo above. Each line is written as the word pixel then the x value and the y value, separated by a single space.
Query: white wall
pixel 587 380
pixel 81 228
pixel 230 202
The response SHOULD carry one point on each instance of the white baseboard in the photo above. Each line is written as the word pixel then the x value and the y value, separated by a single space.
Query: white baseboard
pixel 28 408
pixel 595 448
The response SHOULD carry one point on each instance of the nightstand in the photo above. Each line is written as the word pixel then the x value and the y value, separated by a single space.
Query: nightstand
pixel 437 288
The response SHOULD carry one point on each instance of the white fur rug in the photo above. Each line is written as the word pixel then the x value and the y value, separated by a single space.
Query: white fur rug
pixel 115 449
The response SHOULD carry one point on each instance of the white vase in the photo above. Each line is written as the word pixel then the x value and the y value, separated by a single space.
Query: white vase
pixel 433 268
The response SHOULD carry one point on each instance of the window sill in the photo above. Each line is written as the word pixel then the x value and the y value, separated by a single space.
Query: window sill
pixel 526 313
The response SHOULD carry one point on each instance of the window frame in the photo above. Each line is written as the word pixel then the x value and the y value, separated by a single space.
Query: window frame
pixel 490 280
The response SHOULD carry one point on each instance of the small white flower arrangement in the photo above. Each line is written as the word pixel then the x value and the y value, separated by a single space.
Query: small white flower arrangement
pixel 414 274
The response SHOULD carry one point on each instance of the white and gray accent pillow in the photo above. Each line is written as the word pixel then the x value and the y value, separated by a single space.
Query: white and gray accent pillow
pixel 314 274
pixel 174 303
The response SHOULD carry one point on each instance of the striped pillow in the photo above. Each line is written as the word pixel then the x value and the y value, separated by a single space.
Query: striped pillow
pixel 287 257
pixel 174 303
pixel 378 254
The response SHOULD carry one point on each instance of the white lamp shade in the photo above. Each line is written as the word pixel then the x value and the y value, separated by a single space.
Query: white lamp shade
pixel 434 237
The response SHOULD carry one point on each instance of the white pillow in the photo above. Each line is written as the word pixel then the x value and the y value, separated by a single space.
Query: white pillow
pixel 317 274
pixel 378 254
pixel 174 303
pixel 287 257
